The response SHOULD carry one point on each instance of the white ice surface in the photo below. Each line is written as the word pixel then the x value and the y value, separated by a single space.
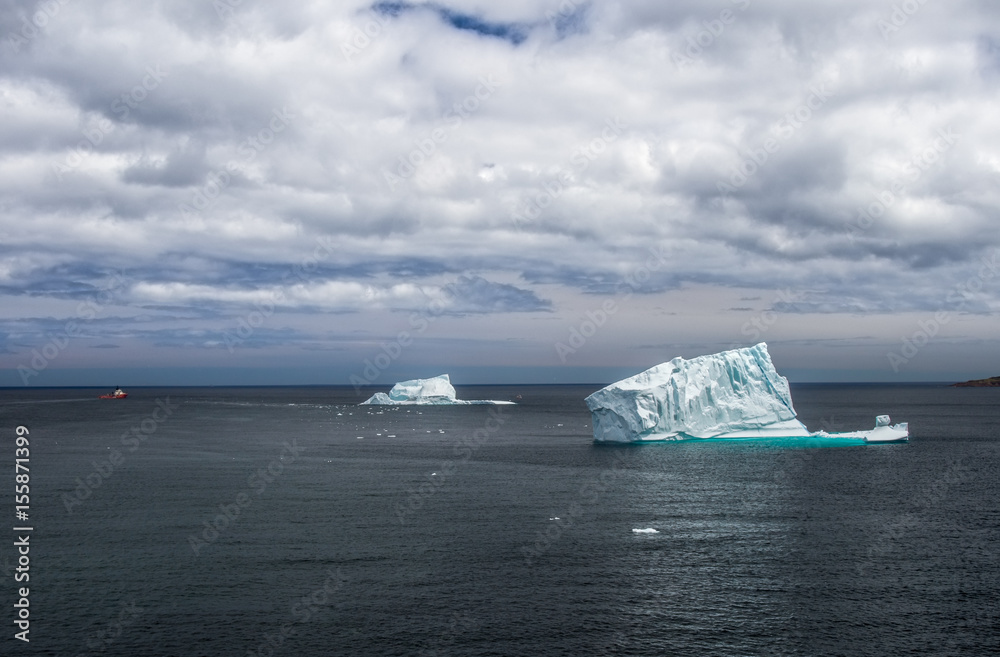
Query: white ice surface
pixel 882 433
pixel 435 391
pixel 732 394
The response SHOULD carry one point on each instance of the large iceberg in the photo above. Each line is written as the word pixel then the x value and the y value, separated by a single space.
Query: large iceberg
pixel 435 390
pixel 732 394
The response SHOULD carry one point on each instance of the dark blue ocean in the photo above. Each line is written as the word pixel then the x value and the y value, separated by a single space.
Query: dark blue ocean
pixel 290 521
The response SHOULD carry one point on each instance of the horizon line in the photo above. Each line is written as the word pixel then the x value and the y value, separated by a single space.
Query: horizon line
pixel 949 383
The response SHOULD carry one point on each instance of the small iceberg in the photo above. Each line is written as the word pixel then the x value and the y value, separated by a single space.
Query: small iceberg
pixel 882 433
pixel 735 394
pixel 436 391
pixel 647 530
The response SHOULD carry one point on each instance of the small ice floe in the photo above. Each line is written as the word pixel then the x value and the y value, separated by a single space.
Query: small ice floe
pixel 361 437
pixel 391 435
pixel 647 530
pixel 556 518
pixel 434 474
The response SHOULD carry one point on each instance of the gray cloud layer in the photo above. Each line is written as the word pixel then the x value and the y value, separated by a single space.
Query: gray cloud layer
pixel 504 171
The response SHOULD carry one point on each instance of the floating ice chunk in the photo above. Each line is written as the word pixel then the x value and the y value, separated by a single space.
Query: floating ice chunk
pixel 647 530
pixel 435 390
pixel 882 433
pixel 733 394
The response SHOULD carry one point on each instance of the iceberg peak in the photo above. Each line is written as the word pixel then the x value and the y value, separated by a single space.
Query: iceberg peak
pixel 436 390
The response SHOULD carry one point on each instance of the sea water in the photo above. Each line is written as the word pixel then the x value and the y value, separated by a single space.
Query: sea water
pixel 268 521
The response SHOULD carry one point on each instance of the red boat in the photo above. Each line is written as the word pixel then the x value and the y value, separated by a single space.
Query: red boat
pixel 117 394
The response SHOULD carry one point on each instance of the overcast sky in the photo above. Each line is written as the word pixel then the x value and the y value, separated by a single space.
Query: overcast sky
pixel 242 191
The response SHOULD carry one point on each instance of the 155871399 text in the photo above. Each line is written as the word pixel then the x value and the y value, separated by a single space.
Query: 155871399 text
pixel 22 501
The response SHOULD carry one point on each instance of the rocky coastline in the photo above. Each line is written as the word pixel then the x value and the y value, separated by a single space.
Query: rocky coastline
pixel 992 382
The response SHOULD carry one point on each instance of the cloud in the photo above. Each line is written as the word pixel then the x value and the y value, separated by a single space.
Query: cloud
pixel 182 168
pixel 354 163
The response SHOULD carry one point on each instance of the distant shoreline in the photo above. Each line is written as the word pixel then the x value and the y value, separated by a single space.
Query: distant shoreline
pixel 992 382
